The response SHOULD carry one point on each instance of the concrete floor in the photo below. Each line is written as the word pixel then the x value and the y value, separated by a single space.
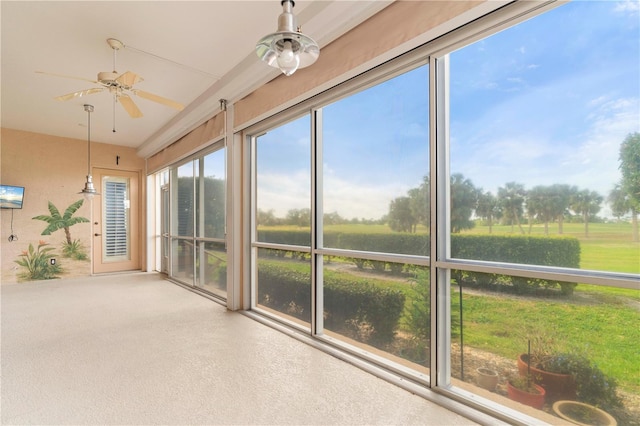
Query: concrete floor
pixel 136 349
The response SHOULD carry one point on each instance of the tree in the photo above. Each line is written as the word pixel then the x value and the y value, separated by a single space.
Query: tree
pixel 420 202
pixel 488 208
pixel 333 218
pixel 511 198
pixel 56 221
pixel 401 218
pixel 299 217
pixel 630 168
pixel 540 205
pixel 619 201
pixel 267 218
pixel 464 198
pixel 561 194
pixel 586 203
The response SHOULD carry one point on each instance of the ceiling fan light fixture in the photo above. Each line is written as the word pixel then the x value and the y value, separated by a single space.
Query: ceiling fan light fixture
pixel 89 190
pixel 287 49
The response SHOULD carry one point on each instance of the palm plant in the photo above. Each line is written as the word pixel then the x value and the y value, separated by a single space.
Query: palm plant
pixel 57 221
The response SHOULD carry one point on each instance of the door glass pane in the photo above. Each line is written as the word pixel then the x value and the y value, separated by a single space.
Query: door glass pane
pixel 375 171
pixel 116 219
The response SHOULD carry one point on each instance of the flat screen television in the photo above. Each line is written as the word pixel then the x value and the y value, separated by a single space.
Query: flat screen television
pixel 11 197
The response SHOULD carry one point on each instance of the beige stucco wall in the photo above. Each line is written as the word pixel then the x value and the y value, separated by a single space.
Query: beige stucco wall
pixel 51 169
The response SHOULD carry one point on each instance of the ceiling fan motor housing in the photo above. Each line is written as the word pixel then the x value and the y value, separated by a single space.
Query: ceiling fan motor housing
pixel 108 78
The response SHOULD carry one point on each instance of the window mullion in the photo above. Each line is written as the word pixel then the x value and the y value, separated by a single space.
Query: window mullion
pixel 317 305
pixel 440 247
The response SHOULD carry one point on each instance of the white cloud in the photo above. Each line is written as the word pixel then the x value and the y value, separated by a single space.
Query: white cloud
pixel 628 6
pixel 281 193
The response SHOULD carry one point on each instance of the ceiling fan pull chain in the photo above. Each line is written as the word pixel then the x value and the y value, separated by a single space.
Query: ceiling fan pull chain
pixel 114 113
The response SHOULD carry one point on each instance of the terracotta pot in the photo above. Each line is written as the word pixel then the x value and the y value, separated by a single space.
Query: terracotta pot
pixel 535 400
pixel 583 414
pixel 487 378
pixel 557 386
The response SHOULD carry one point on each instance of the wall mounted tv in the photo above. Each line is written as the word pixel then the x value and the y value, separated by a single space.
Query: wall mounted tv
pixel 11 197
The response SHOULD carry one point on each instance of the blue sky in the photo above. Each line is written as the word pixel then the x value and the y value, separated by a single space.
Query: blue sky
pixel 547 101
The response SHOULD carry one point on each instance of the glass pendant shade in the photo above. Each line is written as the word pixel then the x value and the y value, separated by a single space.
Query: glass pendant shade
pixel 89 190
pixel 287 49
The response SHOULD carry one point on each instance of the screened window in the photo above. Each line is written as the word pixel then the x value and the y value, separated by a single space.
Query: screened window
pixel 375 167
pixel 539 113
pixel 504 157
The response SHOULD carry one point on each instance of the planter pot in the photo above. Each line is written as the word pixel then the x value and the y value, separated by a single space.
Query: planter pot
pixel 487 378
pixel 557 386
pixel 535 400
pixel 583 414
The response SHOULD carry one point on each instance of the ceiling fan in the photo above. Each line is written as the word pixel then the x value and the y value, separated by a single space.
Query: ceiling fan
pixel 120 85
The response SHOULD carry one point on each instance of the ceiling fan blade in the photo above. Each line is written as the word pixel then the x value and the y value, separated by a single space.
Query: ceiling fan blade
pixel 129 106
pixel 159 99
pixel 129 78
pixel 79 94
pixel 68 76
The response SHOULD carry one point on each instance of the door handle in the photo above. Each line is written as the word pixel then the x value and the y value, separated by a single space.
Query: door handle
pixel 96 235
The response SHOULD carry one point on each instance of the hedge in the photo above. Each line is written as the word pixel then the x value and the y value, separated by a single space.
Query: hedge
pixel 348 303
pixel 518 249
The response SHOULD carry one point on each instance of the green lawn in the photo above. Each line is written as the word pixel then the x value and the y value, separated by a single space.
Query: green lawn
pixel 608 334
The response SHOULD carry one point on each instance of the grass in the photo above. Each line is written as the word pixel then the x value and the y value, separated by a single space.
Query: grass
pixel 608 334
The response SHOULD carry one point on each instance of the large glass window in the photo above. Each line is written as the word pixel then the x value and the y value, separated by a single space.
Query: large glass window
pixel 375 168
pixel 513 160
pixel 540 114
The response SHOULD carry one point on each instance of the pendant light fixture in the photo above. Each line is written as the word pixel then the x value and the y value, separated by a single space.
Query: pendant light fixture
pixel 287 49
pixel 89 191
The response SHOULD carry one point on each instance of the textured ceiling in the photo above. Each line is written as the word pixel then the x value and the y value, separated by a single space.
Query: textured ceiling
pixel 181 49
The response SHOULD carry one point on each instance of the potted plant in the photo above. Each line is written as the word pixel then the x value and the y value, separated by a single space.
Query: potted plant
pixel 568 375
pixel 539 362
pixel 487 378
pixel 525 391
pixel 583 414
pixel 557 382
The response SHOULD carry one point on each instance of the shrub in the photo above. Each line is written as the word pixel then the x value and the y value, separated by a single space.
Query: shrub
pixel 418 313
pixel 592 385
pixel 528 250
pixel 349 303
